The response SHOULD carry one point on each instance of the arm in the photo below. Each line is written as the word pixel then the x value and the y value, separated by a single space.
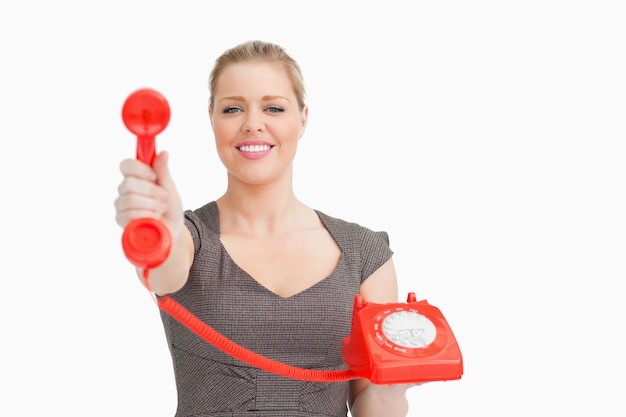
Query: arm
pixel 150 192
pixel 366 399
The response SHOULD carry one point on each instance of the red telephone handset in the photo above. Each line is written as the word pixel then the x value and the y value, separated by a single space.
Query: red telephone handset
pixel 146 241
pixel 389 343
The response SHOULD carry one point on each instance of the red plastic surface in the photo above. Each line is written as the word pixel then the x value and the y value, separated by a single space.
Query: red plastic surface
pixel 146 113
pixel 371 355
pixel 146 241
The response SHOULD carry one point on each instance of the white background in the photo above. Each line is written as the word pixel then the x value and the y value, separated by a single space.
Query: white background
pixel 487 138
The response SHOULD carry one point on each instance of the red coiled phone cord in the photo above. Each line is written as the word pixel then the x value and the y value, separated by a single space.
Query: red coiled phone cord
pixel 212 336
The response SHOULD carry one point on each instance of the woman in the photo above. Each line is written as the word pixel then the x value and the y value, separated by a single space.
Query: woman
pixel 257 264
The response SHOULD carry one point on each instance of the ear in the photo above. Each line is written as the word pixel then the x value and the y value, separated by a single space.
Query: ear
pixel 304 116
pixel 211 116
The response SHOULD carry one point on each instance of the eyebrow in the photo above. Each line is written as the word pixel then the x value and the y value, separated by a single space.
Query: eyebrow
pixel 264 98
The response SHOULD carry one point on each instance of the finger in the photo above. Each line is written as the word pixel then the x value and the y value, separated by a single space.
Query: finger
pixel 161 168
pixel 134 185
pixel 122 218
pixel 136 168
pixel 135 202
pixel 127 209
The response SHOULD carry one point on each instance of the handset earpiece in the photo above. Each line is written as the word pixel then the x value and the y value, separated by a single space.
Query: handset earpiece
pixel 146 241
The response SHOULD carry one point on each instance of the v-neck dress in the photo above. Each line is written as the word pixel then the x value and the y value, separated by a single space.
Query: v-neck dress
pixel 303 330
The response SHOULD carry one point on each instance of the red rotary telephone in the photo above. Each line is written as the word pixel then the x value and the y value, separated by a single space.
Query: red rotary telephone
pixel 391 343
pixel 401 343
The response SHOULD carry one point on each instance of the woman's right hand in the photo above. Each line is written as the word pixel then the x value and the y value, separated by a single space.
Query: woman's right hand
pixel 149 192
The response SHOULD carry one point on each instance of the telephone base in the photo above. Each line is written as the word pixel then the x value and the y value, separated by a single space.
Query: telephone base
pixel 400 343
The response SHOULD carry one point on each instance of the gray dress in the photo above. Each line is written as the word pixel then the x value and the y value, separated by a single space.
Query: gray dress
pixel 304 330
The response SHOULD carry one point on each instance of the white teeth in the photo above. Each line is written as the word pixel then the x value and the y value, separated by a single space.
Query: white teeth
pixel 255 148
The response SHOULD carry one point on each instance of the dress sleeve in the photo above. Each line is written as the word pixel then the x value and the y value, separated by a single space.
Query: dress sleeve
pixel 375 251
pixel 193 223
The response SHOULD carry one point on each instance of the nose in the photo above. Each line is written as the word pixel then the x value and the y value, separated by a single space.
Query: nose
pixel 253 122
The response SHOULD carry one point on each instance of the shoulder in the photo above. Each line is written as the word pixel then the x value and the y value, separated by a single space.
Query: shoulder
pixel 206 214
pixel 202 222
pixel 364 248
pixel 349 230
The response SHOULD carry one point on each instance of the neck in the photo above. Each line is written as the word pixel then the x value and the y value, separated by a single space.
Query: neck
pixel 260 209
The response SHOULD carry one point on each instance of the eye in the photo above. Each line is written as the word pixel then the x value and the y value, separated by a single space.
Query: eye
pixel 231 109
pixel 275 109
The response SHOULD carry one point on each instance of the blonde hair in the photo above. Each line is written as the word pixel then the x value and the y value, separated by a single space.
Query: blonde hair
pixel 261 52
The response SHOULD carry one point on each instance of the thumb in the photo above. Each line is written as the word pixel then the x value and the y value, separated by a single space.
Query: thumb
pixel 174 213
pixel 161 168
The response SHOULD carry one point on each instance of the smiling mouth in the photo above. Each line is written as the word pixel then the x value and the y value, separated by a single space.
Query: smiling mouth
pixel 254 148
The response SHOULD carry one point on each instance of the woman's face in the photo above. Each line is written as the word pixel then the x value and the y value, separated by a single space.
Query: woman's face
pixel 256 122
